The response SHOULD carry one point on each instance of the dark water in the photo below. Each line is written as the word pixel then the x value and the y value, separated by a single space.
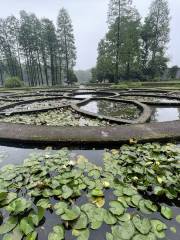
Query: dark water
pixel 165 114
pixel 16 155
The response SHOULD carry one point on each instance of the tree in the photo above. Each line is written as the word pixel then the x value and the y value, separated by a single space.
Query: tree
pixel 66 42
pixel 49 49
pixel 157 24
pixel 173 72
pixel 118 10
pixel 105 69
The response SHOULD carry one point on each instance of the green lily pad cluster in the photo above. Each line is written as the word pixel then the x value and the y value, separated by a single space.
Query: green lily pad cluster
pixel 87 198
pixel 61 117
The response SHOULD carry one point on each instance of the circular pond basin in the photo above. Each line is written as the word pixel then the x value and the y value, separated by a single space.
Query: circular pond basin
pixel 112 109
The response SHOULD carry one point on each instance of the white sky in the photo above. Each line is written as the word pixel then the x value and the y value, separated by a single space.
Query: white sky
pixel 89 21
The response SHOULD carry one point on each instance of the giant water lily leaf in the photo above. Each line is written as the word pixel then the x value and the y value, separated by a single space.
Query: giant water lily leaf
pixel 158 228
pixel 81 234
pixel 60 207
pixel 8 225
pixel 43 203
pixel 3 194
pixel 109 236
pixel 166 212
pixel 94 174
pixel 31 236
pixel 124 218
pixel 26 227
pixel 9 198
pixel 143 226
pixel 135 199
pixel 129 191
pixel 71 214
pixel 35 217
pixel 97 193
pixel 124 232
pixel 99 201
pixel 57 234
pixel 66 192
pixel 19 205
pixel 81 222
pixel 116 208
pixel 150 236
pixel 109 218
pixel 178 218
pixel 16 234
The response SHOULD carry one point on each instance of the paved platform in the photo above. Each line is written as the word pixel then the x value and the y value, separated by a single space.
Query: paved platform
pixel 19 133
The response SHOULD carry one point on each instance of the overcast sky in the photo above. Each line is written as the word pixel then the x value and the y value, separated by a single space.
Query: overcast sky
pixel 89 20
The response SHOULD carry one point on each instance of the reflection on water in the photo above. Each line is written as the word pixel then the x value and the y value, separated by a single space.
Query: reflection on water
pixel 90 94
pixel 16 155
pixel 112 109
pixel 83 96
pixel 165 114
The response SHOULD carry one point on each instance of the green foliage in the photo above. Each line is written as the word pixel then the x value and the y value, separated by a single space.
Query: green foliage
pixel 127 190
pixel 13 82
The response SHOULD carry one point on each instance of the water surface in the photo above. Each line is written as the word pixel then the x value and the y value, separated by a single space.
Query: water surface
pixel 165 114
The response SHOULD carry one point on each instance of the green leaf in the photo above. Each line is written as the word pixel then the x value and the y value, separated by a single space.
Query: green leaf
pixel 18 206
pixel 135 199
pixel 129 191
pixel 32 236
pixel 125 217
pixel 67 192
pixel 43 203
pixel 109 236
pixel 81 234
pixel 159 191
pixel 166 212
pixel 143 226
pixel 95 174
pixel 173 229
pixel 125 231
pixel 3 194
pixel 150 236
pixel 178 218
pixel 71 214
pixel 81 222
pixel 25 226
pixel 97 193
pixel 158 228
pixel 109 218
pixel 57 234
pixel 116 208
pixel 60 207
pixel 9 225
pixel 9 198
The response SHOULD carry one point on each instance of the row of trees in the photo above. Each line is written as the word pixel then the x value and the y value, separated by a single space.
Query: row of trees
pixel 132 48
pixel 36 51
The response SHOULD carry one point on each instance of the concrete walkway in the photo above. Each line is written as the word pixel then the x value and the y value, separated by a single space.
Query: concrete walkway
pixel 14 133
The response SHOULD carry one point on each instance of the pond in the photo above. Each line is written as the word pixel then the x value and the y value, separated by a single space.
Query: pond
pixel 91 94
pixel 165 114
pixel 112 109
pixel 151 99
pixel 62 117
pixel 111 194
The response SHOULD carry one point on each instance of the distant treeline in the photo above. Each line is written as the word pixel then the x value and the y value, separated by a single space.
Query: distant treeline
pixel 133 48
pixel 36 51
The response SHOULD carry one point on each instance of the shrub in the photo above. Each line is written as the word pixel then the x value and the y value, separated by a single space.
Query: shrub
pixel 13 82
